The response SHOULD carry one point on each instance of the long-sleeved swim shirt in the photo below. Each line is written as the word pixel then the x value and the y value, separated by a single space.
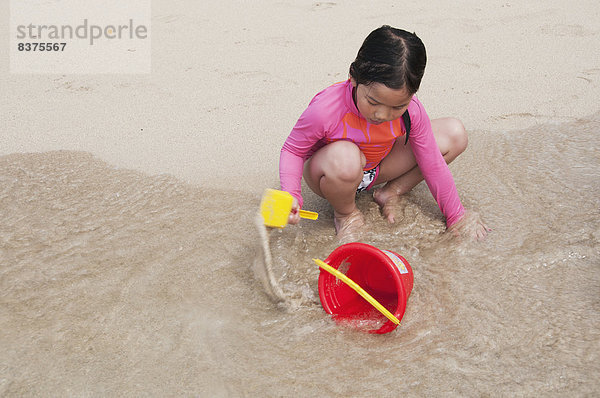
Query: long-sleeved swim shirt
pixel 332 115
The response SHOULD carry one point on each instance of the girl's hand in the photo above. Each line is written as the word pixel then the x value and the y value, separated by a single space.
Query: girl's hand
pixel 470 225
pixel 294 217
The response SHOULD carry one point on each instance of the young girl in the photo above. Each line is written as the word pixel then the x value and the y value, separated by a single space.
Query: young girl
pixel 371 129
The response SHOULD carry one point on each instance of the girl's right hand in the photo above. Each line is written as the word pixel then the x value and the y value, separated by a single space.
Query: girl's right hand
pixel 294 217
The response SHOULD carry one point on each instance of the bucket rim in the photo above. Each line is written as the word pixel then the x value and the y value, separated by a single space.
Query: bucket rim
pixel 342 252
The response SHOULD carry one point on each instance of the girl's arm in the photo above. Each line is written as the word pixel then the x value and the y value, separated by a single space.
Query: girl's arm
pixel 291 163
pixel 435 171
pixel 309 129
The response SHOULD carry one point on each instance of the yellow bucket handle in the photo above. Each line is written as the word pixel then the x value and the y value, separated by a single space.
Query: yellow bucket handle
pixel 357 289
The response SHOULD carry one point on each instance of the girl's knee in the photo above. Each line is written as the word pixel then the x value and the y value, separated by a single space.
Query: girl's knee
pixel 346 161
pixel 457 135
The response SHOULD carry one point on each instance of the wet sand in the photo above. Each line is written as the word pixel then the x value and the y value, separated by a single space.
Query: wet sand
pixel 128 227
pixel 116 282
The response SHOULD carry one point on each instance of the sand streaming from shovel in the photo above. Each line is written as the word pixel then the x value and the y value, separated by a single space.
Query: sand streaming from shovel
pixel 262 265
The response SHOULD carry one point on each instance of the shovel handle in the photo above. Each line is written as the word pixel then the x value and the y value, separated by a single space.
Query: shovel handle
pixel 311 215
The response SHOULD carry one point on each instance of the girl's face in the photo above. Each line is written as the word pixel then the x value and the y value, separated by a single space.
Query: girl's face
pixel 379 103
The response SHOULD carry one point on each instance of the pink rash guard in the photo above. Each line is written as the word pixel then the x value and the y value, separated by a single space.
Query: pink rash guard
pixel 332 115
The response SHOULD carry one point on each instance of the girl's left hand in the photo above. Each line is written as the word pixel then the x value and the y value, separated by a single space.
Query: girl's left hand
pixel 470 225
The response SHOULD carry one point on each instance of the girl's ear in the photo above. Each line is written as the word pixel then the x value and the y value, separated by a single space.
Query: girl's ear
pixel 353 82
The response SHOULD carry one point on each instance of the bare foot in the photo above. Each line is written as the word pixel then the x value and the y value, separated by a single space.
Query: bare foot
pixel 392 205
pixel 348 228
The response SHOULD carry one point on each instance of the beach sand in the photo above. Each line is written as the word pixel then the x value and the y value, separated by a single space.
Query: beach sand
pixel 128 204
pixel 233 78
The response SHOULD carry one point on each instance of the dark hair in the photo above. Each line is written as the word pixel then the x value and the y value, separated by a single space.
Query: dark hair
pixel 393 57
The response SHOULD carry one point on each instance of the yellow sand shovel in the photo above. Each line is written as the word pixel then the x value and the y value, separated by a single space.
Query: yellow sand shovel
pixel 276 206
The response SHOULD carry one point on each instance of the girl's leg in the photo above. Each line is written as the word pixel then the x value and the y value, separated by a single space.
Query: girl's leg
pixel 399 169
pixel 334 173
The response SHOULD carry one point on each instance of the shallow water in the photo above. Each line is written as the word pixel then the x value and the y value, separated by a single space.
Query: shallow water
pixel 118 283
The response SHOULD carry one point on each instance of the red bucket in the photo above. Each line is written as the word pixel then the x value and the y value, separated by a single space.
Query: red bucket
pixel 383 274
